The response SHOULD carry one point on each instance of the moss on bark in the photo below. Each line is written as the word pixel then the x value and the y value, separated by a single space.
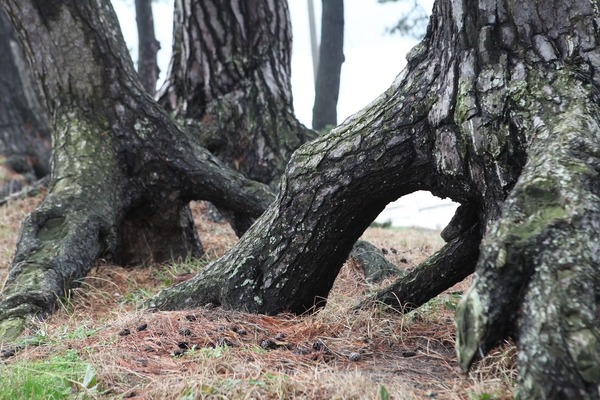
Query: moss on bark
pixel 118 157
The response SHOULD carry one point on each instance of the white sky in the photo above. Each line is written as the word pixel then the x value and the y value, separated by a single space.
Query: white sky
pixel 373 59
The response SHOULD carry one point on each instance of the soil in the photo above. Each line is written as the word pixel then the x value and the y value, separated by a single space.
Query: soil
pixel 216 353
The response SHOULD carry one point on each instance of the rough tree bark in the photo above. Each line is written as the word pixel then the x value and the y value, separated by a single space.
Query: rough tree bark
pixel 148 46
pixel 229 83
pixel 331 57
pixel 498 109
pixel 123 172
pixel 24 126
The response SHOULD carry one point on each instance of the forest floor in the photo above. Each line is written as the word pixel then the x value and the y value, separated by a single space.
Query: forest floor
pixel 102 343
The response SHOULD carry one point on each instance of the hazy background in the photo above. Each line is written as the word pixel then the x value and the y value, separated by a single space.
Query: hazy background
pixel 373 59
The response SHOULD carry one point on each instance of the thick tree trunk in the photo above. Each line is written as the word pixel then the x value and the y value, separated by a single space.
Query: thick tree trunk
pixel 120 164
pixel 24 127
pixel 497 109
pixel 229 83
pixel 331 57
pixel 538 275
pixel 333 189
pixel 148 46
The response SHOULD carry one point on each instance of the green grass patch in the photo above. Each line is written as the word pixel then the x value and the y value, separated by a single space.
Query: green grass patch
pixel 383 225
pixel 431 310
pixel 41 337
pixel 167 274
pixel 60 377
pixel 138 297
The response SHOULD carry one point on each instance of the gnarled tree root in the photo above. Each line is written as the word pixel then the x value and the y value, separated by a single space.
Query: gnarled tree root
pixel 449 265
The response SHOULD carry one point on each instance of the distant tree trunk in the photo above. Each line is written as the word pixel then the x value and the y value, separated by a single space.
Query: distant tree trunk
pixel 498 109
pixel 148 46
pixel 122 174
pixel 229 83
pixel 24 127
pixel 331 57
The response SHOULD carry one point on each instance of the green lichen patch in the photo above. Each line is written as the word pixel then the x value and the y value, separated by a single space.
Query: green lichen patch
pixel 470 328
pixel 11 328
pixel 584 348
pixel 54 229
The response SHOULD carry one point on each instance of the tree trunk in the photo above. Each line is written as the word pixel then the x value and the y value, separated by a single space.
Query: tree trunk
pixel 123 172
pixel 24 127
pixel 498 109
pixel 229 83
pixel 331 57
pixel 333 189
pixel 148 46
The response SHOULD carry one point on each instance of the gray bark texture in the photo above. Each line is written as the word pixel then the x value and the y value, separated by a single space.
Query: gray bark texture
pixel 122 171
pixel 229 83
pixel 24 126
pixel 148 46
pixel 331 57
pixel 497 109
